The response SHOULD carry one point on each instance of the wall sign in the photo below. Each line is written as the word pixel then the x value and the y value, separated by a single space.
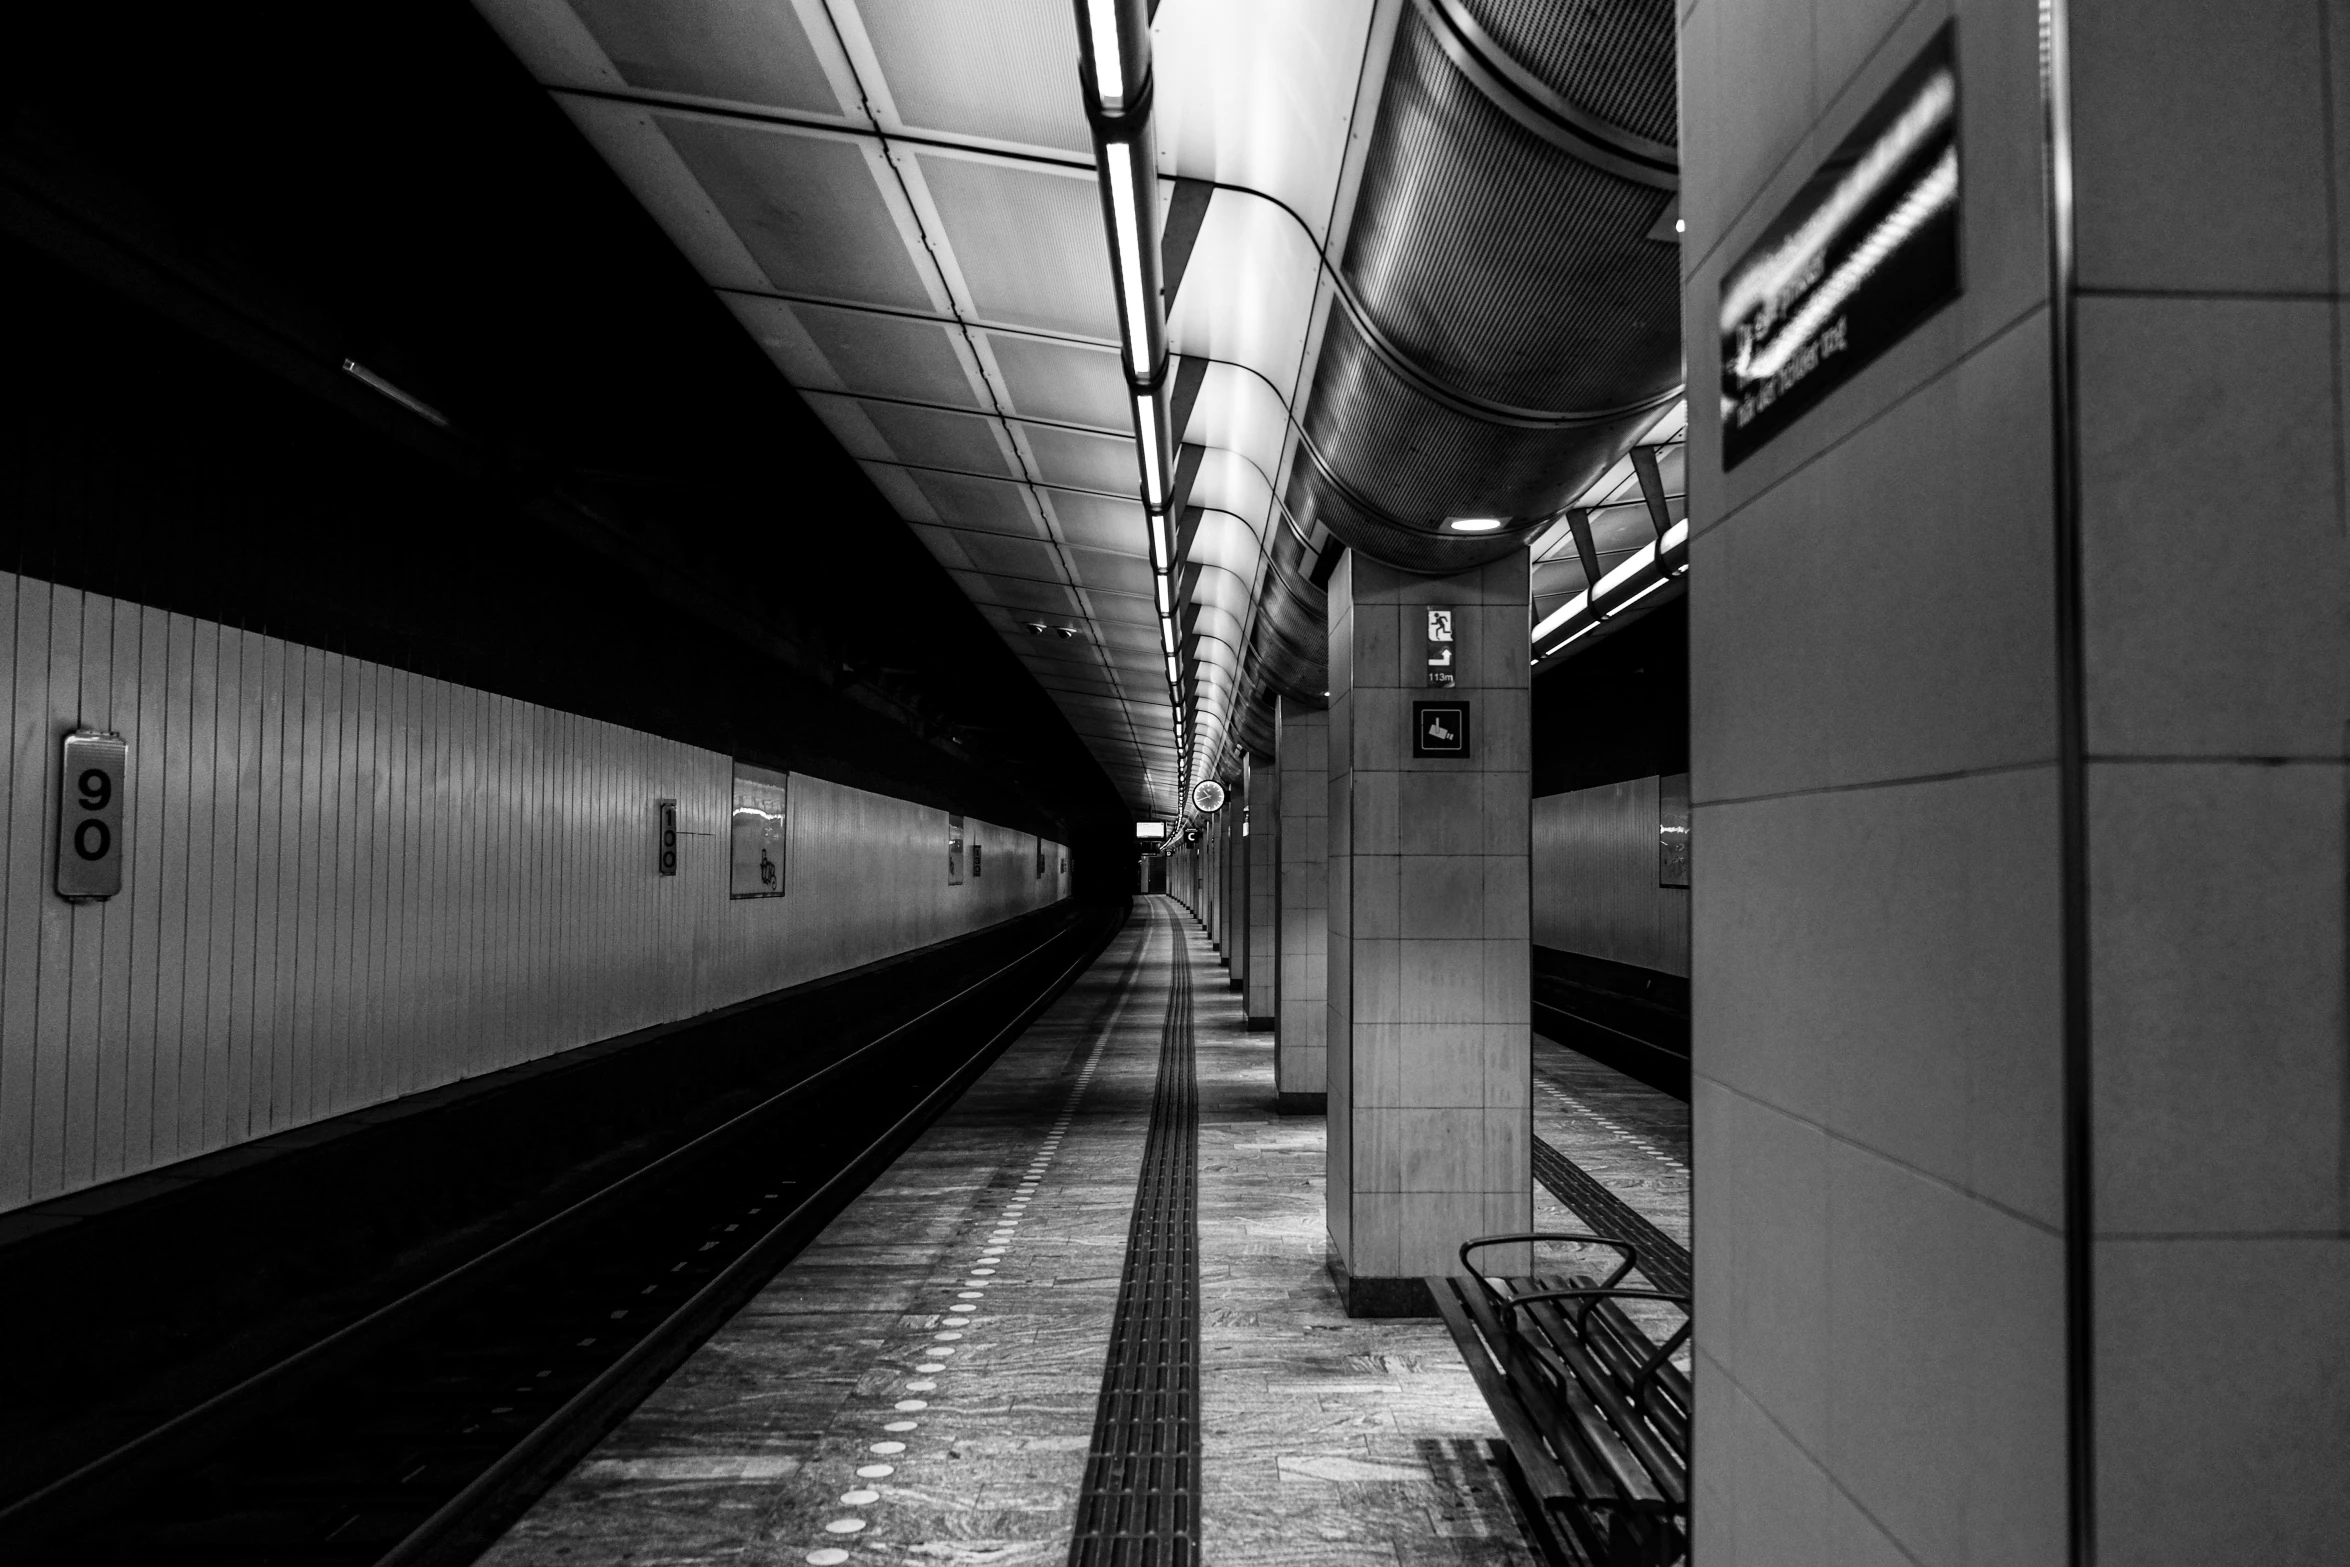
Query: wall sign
pixel 1441 669
pixel 1040 859
pixel 1672 830
pixel 1867 250
pixel 89 815
pixel 665 836
pixel 1440 729
pixel 954 850
pixel 759 830
pixel 977 862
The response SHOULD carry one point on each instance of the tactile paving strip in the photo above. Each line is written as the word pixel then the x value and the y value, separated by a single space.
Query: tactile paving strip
pixel 1140 1503
pixel 1663 1259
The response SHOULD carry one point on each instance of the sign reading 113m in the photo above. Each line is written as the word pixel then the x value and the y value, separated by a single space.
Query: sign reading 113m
pixel 1867 250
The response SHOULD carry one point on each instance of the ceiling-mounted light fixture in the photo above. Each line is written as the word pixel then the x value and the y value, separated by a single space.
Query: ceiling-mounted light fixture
pixel 1108 58
pixel 1473 524
pixel 415 405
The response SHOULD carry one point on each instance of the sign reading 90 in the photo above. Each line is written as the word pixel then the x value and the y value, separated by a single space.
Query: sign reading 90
pixel 89 815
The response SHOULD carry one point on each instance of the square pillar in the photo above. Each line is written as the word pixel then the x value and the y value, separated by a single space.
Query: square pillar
pixel 2018 833
pixel 1301 750
pixel 1236 886
pixel 1429 1065
pixel 1263 845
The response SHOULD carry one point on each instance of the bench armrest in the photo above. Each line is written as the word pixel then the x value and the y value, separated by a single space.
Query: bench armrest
pixel 1631 1254
pixel 1591 1297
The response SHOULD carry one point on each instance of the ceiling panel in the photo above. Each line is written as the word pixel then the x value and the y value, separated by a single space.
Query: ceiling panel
pixel 807 207
pixel 1028 241
pixel 1100 522
pixel 1045 598
pixel 936 438
pixel 1001 556
pixel 747 51
pixel 887 356
pixel 992 504
pixel 1072 382
pixel 1115 608
pixel 1001 69
pixel 1082 461
pixel 1108 573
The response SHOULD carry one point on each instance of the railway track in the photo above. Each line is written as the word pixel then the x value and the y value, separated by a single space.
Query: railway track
pixel 415 1434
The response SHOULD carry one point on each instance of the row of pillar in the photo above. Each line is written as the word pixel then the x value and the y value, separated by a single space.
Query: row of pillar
pixel 1368 892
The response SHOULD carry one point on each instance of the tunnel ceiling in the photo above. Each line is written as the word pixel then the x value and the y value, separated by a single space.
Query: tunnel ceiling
pixel 1416 258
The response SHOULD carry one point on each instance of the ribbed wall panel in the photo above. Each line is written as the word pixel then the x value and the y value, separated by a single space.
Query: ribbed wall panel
pixel 1415 460
pixel 1501 264
pixel 1595 879
pixel 1612 58
pixel 346 882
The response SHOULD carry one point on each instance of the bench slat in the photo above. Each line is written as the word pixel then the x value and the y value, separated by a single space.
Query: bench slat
pixel 1625 1348
pixel 1544 1476
pixel 1661 1469
pixel 1586 1439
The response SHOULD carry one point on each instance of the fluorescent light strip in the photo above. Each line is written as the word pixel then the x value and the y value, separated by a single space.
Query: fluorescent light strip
pixel 1675 537
pixel 1167 635
pixel 1166 602
pixel 1154 474
pixel 1561 615
pixel 1109 65
pixel 1162 553
pixel 1128 238
pixel 423 410
pixel 1639 560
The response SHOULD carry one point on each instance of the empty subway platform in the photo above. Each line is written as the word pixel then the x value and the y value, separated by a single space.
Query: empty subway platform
pixel 1174 781
pixel 1086 1314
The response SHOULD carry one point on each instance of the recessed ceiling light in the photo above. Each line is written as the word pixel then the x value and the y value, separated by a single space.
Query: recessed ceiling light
pixel 1680 225
pixel 1473 524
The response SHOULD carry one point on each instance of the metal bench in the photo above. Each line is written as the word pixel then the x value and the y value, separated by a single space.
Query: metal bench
pixel 1596 1413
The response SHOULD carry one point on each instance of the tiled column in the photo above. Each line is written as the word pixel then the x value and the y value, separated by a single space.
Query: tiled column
pixel 1236 887
pixel 1900 942
pixel 1264 870
pixel 1430 1141
pixel 1301 748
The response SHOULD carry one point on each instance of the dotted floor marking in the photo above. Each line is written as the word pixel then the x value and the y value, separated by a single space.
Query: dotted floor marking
pixel 1608 1123
pixel 980 1275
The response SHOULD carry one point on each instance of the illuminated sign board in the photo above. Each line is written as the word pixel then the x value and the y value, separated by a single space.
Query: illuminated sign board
pixel 757 832
pixel 1867 250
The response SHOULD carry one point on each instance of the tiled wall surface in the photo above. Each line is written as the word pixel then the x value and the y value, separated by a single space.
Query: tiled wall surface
pixel 1301 748
pixel 1876 953
pixel 1264 887
pixel 1595 878
pixel 2211 161
pixel 347 882
pixel 1875 933
pixel 1429 1066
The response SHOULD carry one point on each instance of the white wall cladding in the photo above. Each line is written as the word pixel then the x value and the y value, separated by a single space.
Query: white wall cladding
pixel 346 882
pixel 1595 867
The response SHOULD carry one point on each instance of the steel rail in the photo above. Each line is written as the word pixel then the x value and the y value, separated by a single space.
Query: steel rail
pixel 41 1515
pixel 450 1533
